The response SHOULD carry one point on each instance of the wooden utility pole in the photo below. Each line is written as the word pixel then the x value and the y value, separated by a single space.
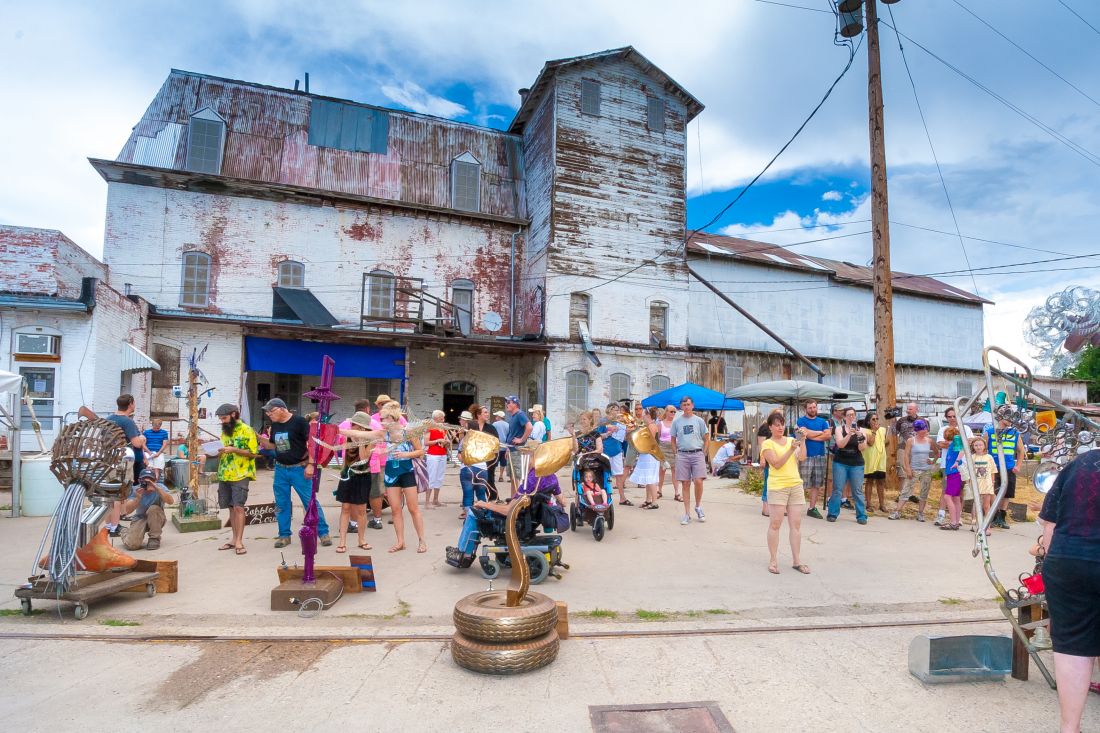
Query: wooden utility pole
pixel 885 391
pixel 193 456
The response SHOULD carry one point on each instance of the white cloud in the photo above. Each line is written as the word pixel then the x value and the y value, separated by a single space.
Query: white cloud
pixel 832 196
pixel 412 96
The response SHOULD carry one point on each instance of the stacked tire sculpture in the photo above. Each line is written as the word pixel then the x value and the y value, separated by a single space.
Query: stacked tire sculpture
pixel 506 632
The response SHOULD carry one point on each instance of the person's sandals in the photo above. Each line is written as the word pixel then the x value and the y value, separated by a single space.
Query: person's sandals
pixel 645 504
pixel 626 502
pixel 240 551
pixel 227 546
pixel 804 569
pixel 678 498
pixel 341 549
pixel 365 546
pixel 660 495
pixel 422 548
pixel 649 505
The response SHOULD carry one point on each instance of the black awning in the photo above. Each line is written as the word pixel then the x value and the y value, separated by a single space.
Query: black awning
pixel 298 304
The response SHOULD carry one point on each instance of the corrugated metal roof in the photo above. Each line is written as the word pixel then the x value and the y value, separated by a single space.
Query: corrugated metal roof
pixel 846 272
pixel 527 108
pixel 136 360
pixel 267 139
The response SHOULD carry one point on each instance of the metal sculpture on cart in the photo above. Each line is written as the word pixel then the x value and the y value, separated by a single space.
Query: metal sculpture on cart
pixel 1059 441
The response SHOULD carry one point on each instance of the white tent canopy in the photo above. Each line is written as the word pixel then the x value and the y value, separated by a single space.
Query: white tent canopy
pixel 11 383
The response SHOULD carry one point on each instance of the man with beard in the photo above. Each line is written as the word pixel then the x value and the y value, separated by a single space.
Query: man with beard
pixel 236 467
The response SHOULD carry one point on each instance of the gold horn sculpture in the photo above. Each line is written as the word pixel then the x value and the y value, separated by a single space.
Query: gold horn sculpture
pixel 551 456
pixel 479 447
pixel 643 441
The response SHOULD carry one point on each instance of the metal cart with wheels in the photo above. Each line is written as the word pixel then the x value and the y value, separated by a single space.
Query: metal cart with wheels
pixel 86 589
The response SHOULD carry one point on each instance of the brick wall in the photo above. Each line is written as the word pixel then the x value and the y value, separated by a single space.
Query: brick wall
pixel 44 262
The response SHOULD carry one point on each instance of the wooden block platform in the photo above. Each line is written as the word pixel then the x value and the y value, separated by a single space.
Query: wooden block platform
pixel 196 524
pixel 86 588
pixel 349 576
pixel 167 575
pixel 289 595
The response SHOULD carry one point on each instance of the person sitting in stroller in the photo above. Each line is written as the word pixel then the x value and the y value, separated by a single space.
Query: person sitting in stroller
pixel 594 495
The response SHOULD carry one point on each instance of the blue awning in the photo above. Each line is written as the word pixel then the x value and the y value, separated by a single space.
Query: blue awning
pixel 285 356
pixel 704 399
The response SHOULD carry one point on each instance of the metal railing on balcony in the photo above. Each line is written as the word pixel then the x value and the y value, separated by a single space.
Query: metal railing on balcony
pixel 400 304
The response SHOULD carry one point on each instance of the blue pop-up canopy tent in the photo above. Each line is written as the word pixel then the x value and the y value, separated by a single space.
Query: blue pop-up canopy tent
pixel 704 399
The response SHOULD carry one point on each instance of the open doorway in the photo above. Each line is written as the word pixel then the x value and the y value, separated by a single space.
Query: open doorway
pixel 458 396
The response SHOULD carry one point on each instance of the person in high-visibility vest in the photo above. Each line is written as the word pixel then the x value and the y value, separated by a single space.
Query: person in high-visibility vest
pixel 1013 447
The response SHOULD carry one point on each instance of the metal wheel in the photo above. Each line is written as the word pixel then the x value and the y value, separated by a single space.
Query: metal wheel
pixel 490 569
pixel 538 564
pixel 505 658
pixel 598 528
pixel 81 611
pixel 26 604
pixel 573 516
pixel 486 617
pixel 150 589
pixel 611 516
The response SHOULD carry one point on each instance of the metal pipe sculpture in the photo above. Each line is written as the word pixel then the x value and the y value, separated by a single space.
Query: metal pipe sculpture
pixel 1061 441
pixel 1063 326
pixel 322 430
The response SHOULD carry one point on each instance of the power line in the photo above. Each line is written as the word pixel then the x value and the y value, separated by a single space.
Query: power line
pixel 1067 7
pixel 1022 50
pixel 935 158
pixel 743 191
pixel 1075 147
pixel 796 7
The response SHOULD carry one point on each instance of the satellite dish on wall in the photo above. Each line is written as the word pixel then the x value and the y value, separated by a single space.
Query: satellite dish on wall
pixel 492 322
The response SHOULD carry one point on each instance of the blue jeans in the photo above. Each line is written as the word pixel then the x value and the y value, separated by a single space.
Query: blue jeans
pixel 287 477
pixel 473 482
pixel 764 493
pixel 469 538
pixel 843 474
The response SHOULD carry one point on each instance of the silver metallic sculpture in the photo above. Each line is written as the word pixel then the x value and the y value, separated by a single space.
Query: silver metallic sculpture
pixel 1061 327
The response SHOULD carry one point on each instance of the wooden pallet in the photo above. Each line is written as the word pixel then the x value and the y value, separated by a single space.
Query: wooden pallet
pixel 87 589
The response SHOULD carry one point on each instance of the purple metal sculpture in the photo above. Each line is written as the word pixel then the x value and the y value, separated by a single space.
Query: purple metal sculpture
pixel 327 432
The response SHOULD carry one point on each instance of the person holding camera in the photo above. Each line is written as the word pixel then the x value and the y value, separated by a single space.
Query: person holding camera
pixel 848 465
pixel 146 508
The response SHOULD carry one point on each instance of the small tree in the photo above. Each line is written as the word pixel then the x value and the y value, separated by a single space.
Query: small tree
pixel 1088 369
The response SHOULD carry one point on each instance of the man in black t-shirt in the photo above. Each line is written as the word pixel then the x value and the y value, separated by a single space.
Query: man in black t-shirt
pixel 124 418
pixel 293 468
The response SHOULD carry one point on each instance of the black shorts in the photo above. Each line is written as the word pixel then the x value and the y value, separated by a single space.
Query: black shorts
pixel 1011 492
pixel 1073 596
pixel 404 481
pixel 875 475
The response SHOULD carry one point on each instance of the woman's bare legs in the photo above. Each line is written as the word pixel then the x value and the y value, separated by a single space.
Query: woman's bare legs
pixel 359 514
pixel 417 519
pixel 774 524
pixel 794 524
pixel 1073 675
pixel 393 496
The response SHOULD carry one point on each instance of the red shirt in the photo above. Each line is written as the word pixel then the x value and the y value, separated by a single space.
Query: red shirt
pixel 436 450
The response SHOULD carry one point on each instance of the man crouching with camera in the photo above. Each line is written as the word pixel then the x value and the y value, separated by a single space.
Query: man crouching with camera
pixel 146 506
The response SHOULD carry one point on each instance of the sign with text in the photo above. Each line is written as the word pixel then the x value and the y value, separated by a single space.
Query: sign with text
pixel 258 514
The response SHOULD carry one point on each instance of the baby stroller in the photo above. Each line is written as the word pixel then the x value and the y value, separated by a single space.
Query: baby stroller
pixel 601 517
pixel 542 551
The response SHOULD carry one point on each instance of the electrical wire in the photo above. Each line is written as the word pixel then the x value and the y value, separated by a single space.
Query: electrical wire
pixel 796 7
pixel 935 157
pixel 1072 145
pixel 1079 17
pixel 1023 50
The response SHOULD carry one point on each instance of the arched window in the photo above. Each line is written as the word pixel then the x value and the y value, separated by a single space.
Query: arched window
pixel 576 392
pixel 205 142
pixel 462 297
pixel 466 183
pixel 620 387
pixel 195 280
pixel 380 294
pixel 659 383
pixel 291 274
pixel 580 309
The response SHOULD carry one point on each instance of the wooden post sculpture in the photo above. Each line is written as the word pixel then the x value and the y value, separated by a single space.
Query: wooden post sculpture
pixel 507 632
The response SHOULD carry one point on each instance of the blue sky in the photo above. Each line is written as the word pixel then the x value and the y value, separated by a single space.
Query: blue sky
pixel 83 74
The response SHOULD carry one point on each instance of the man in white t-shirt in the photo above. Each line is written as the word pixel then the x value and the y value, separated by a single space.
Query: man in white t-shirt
pixel 950 420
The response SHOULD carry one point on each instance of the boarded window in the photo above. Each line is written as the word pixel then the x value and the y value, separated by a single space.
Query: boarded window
pixel 292 274
pixel 620 387
pixel 579 310
pixel 859 383
pixel 195 282
pixel 590 97
pixel 205 142
pixel 655 114
pixel 348 127
pixel 733 376
pixel 576 392
pixel 462 297
pixel 964 388
pixel 658 324
pixel 659 383
pixel 1055 394
pixel 380 294
pixel 163 403
pixel 466 184
pixel 378 387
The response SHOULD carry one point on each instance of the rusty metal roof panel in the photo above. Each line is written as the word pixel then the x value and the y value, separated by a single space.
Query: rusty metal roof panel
pixel 267 139
pixel 775 255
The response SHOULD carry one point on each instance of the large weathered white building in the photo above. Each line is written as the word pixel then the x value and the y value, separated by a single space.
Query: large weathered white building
pixel 447 263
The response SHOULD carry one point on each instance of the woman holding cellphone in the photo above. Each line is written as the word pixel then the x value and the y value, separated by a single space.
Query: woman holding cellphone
pixel 786 496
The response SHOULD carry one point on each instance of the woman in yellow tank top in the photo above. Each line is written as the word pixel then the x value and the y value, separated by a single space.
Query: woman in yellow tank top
pixel 785 491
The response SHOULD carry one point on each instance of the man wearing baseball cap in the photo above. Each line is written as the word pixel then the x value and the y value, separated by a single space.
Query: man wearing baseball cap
pixel 293 469
pixel 519 430
pixel 146 506
pixel 236 467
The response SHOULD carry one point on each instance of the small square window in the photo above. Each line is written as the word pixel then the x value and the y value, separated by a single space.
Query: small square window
pixel 964 388
pixel 859 383
pixel 733 376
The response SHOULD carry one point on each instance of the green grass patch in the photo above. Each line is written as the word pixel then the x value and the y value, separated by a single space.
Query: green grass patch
pixel 717 611
pixel 598 613
pixel 952 601
pixel 19 612
pixel 752 480
pixel 645 615
pixel 117 622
